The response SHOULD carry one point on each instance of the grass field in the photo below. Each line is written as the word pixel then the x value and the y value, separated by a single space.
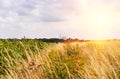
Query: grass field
pixel 30 59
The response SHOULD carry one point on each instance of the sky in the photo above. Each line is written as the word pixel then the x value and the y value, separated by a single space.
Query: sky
pixel 84 19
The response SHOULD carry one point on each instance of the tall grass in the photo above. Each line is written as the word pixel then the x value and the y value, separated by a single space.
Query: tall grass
pixel 85 60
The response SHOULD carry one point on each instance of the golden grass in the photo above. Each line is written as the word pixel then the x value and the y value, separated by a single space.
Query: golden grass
pixel 85 60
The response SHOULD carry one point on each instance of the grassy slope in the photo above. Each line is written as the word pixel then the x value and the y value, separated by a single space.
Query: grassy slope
pixel 85 60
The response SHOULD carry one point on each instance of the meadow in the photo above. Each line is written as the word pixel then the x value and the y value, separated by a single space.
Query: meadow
pixel 30 59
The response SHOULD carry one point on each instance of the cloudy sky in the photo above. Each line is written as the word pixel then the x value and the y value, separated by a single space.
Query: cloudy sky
pixel 85 19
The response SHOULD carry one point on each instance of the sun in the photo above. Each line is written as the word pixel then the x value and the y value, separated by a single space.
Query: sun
pixel 100 27
pixel 101 19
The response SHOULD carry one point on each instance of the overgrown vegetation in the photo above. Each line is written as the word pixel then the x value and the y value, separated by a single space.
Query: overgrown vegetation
pixel 30 59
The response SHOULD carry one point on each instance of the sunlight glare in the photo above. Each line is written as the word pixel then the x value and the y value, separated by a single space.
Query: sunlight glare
pixel 100 26
pixel 101 20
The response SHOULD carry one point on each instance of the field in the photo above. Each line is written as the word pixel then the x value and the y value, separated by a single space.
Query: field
pixel 30 59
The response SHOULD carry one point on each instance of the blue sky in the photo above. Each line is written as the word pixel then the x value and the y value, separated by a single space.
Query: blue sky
pixel 85 19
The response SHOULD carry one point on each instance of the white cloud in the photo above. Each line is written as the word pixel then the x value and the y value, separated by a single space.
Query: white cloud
pixel 7 20
pixel 50 18
pixel 35 12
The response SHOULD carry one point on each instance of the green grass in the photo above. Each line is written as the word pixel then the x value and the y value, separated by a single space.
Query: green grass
pixel 29 59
